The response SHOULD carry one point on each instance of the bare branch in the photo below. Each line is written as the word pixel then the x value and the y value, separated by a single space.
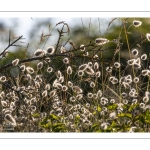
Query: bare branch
pixel 12 44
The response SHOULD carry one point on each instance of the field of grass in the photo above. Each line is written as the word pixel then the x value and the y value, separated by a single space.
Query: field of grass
pixel 77 89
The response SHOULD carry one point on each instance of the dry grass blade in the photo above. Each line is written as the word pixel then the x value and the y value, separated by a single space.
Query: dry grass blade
pixel 110 23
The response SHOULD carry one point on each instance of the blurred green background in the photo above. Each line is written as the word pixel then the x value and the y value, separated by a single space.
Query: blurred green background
pixel 82 30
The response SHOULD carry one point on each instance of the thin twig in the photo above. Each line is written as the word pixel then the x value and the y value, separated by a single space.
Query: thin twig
pixel 59 38
pixel 12 44
pixel 99 26
pixel 9 36
pixel 110 23
pixel 89 27
pixel 67 41
pixel 83 28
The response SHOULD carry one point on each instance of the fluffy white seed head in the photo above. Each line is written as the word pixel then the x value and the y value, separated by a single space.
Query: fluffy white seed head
pixel 136 80
pixel 90 95
pixel 58 74
pixel 133 90
pixel 58 86
pixel 98 74
pixel 28 76
pixel 125 84
pixel 10 119
pixel 69 70
pixel 128 79
pixel 64 88
pixel 144 57
pixel 72 99
pixel 135 52
pixel 145 72
pixel 39 52
pixel 134 101
pixel 147 93
pixel 131 62
pixel 86 54
pixel 113 115
pixel 104 126
pixel 62 50
pixel 92 84
pixel 77 89
pixel 113 80
pixel 70 116
pixel 90 64
pixel 49 69
pixel 22 67
pixel 70 84
pixel 87 105
pixel 50 50
pixel 4 103
pixel 95 56
pixel 112 101
pixel 124 95
pixel 132 93
pixel 104 99
pixel 142 105
pixel 37 84
pixel 38 78
pixel 96 66
pixel 2 94
pixel 148 36
pixel 132 129
pixel 15 62
pixel 138 61
pixel 2 79
pixel 83 67
pixel 89 71
pixel 101 41
pixel 82 48
pixel 137 23
pixel 44 94
pixel 47 59
pixel 61 79
pixel 109 69
pixel 55 82
pixel 79 96
pixel 95 96
pixel 99 93
pixel 47 87
pixel 52 93
pixel 40 65
pixel 125 101
pixel 80 73
pixel 33 108
pixel 30 70
pixel 145 99
pixel 66 60
pixel 117 65
pixel 137 66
